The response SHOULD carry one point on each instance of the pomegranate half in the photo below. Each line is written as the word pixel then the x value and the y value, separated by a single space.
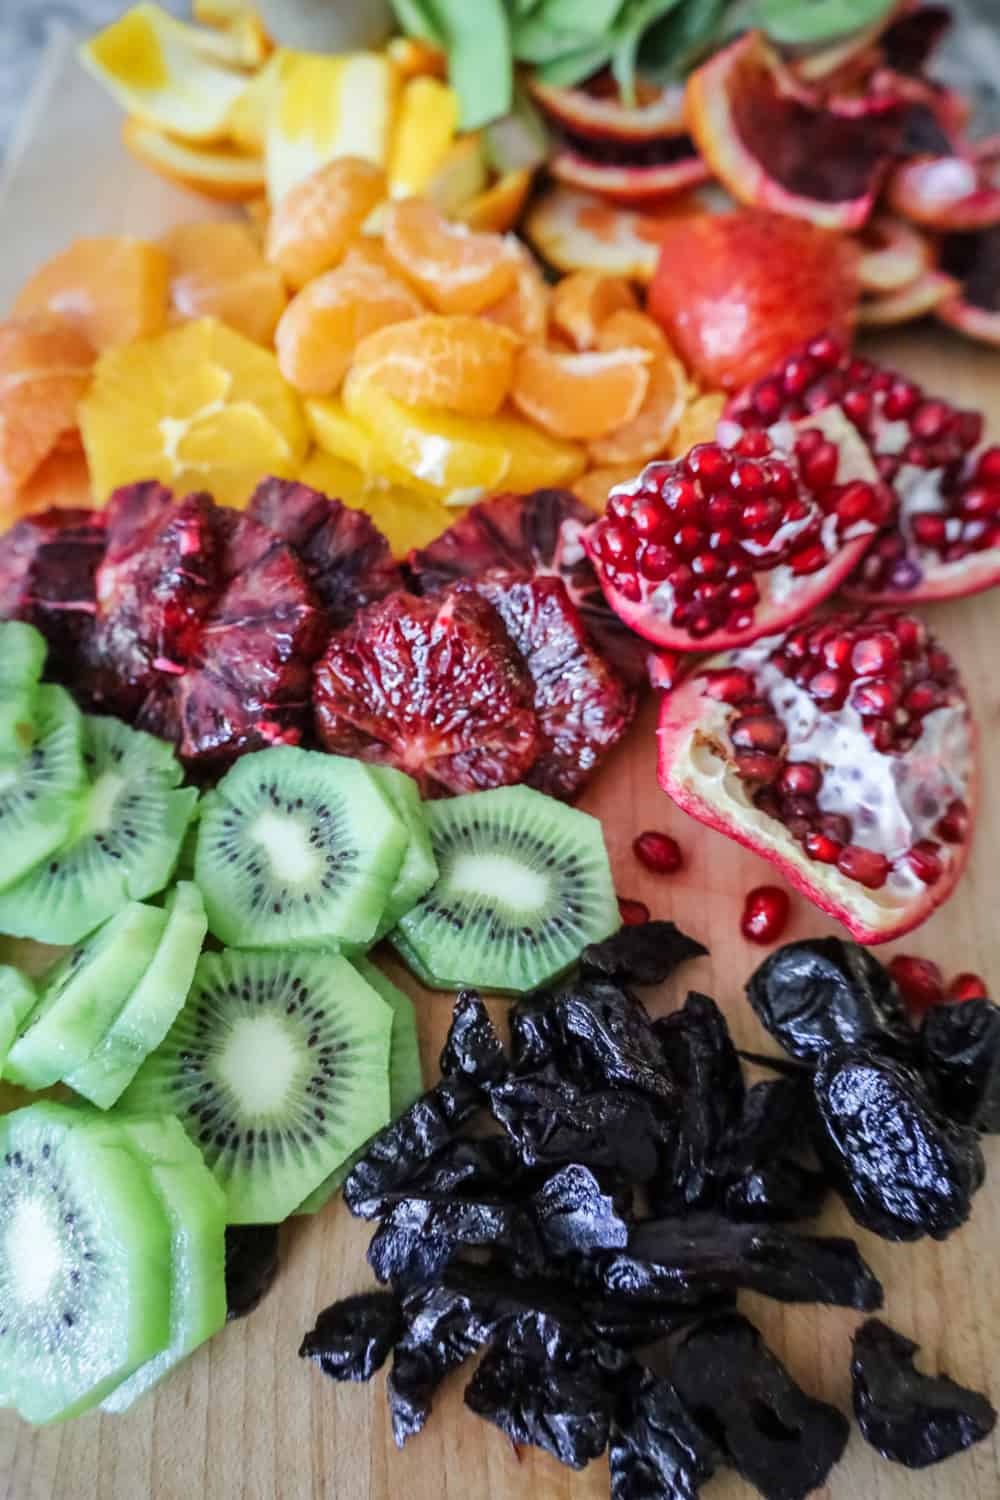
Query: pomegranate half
pixel 844 753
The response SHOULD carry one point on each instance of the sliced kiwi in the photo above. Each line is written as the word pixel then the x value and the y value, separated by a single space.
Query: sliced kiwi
pixel 40 792
pixel 85 1255
pixel 419 870
pixel 82 996
pixel 151 1008
pixel 22 657
pixel 297 846
pixel 525 884
pixel 406 1080
pixel 195 1208
pixel 18 998
pixel 123 844
pixel 277 1067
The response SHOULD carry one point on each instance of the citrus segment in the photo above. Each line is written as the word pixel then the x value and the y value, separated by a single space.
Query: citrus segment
pixel 406 518
pixel 525 308
pixel 648 433
pixel 153 67
pixel 61 480
pixel 217 270
pixel 323 108
pixel 112 289
pixel 596 485
pixel 313 224
pixel 198 407
pixel 498 208
pixel 349 441
pixel 457 270
pixel 323 323
pixel 632 330
pixel 580 395
pixel 45 367
pixel 460 176
pixel 425 127
pixel 461 363
pixel 413 58
pixel 221 172
pixel 583 301
pixel 579 231
pixel 698 423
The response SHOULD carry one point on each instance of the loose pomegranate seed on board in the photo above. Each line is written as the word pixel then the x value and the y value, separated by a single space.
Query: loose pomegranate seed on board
pixel 920 981
pixel 765 914
pixel 966 987
pixel 658 852
pixel 633 913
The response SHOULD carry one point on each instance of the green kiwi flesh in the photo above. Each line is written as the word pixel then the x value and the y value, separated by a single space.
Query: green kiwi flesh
pixel 151 1008
pixel 41 791
pixel 123 845
pixel 22 658
pixel 195 1208
pixel 85 1263
pixel 277 1067
pixel 295 846
pixel 419 870
pixel 18 998
pixel 525 885
pixel 82 996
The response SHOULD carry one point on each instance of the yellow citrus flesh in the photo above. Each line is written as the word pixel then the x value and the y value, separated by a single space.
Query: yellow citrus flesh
pixel 463 364
pixel 406 518
pixel 425 126
pixel 324 108
pixel 218 271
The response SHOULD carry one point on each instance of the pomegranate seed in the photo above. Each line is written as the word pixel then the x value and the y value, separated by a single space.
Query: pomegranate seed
pixel 732 686
pixel 919 980
pixel 616 543
pixel 856 502
pixel 810 560
pixel 658 852
pixel 711 464
pixel 925 861
pixel 754 765
pixel 966 987
pixel 759 514
pixel 879 733
pixel 876 698
pixel 632 913
pixel 750 732
pixel 922 699
pixel 655 564
pixel 766 799
pixel 799 373
pixel 666 668
pixel 753 445
pixel 980 500
pixel 888 466
pixel 829 689
pixel 744 595
pixel 916 454
pixel 874 653
pixel 682 498
pixel 800 778
pixel 911 635
pixel 836 826
pixel 954 826
pixel 900 400
pixel 928 528
pixel 819 468
pixel 969 428
pixel 650 522
pixel 708 565
pixel 765 914
pixel 821 848
pixel 826 349
pixel 988 467
pixel 769 398
pixel 747 480
pixel 930 420
pixel 857 405
pixel 866 866
pixel 721 511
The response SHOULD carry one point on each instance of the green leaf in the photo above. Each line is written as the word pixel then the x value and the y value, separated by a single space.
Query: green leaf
pixel 675 43
pixel 571 68
pixel 809 23
pixel 634 21
pixel 533 40
pixel 416 17
pixel 595 17
pixel 480 66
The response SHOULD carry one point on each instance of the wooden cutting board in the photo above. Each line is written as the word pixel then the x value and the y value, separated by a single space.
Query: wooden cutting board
pixel 245 1417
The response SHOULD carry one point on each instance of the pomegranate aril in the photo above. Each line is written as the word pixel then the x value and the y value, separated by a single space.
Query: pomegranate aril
pixel 632 913
pixel 666 668
pixel 826 349
pixel 900 399
pixel 966 987
pixel 980 500
pixel 754 765
pixel 836 826
pixel 801 778
pixel 821 848
pixel 928 528
pixel 746 480
pixel 760 514
pixel 758 732
pixel 710 464
pixel 930 420
pixel 650 521
pixel 829 689
pixel 810 560
pixel 765 914
pixel 733 686
pixel 866 866
pixel 968 427
pixel 819 468
pixel 656 563
pixel 743 596
pixel 876 698
pixel 617 545
pixel 954 826
pixel 923 698
pixel 857 405
pixel 925 861
pixel 988 466
pixel 753 445
pixel 855 502
pixel 658 852
pixel 799 372
pixel 769 398
pixel 919 980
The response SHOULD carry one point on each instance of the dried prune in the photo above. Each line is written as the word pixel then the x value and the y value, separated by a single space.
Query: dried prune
pixel 473 1049
pixel 780 1439
pixel 757 1180
pixel 826 992
pixel 902 1169
pixel 483 1167
pixel 644 953
pixel 420 1235
pixel 575 1217
pixel 251 1266
pixel 656 1449
pixel 542 1385
pixel 700 1054
pixel 353 1338
pixel 553 1123
pixel 534 1032
pixel 776 1192
pixel 607 1038
pixel 670 1256
pixel 910 1418
pixel 400 1151
pixel 443 1329
pixel 960 1052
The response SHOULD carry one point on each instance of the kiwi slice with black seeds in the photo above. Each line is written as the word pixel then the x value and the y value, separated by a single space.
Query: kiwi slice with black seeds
pixel 277 1067
pixel 85 1257
pixel 524 886
pixel 123 844
pixel 295 846
pixel 419 870
pixel 22 658
pixel 41 790
pixel 18 998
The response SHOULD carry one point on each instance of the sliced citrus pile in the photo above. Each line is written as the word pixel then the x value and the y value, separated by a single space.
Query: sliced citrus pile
pixel 45 368
pixel 217 270
pixel 313 224
pixel 114 289
pixel 457 270
pixel 407 518
pixel 198 407
pixel 525 308
pixel 460 363
pixel 648 433
pixel 221 171
pixel 327 107
pixel 324 323
pixel 581 395
pixel 584 300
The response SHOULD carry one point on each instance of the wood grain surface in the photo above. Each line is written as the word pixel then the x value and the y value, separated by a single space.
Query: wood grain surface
pixel 245 1419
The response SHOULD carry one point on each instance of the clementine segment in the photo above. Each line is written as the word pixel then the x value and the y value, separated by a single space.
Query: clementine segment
pixel 323 324
pixel 460 363
pixel 457 270
pixel 584 300
pixel 114 289
pixel 45 367
pixel 632 330
pixel 62 480
pixel 698 423
pixel 525 308
pixel 581 395
pixel 217 270
pixel 315 221
pixel 648 433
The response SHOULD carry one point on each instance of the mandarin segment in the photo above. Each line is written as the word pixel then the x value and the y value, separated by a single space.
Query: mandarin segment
pixel 113 288
pixel 498 207
pixel 698 423
pixel 627 329
pixel 583 301
pixel 457 270
pixel 460 363
pixel 45 367
pixel 323 324
pixel 217 270
pixel 313 224
pixel 648 433
pixel 580 395
pixel 62 481
pixel 525 308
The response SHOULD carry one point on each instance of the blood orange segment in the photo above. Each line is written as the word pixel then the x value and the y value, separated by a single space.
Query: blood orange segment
pixel 460 363
pixel 458 271
pixel 222 171
pixel 581 395
pixel 114 289
pixel 583 301
pixel 45 367
pixel 313 224
pixel 324 323
pixel 217 270
pixel 525 308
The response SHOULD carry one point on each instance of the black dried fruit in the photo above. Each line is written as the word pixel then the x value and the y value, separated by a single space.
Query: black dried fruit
pixel 902 1169
pixel 960 1052
pixel 402 1149
pixel 443 1330
pixel 826 992
pixel 553 1123
pixel 353 1338
pixel 542 1385
pixel 534 1032
pixel 656 1450
pixel 419 1236
pixel 251 1266
pixel 777 1192
pixel 780 1439
pixel 670 1256
pixel 473 1049
pixel 700 1054
pixel 608 1039
pixel 574 1216
pixel 483 1167
pixel 910 1418
pixel 644 953
pixel 757 1180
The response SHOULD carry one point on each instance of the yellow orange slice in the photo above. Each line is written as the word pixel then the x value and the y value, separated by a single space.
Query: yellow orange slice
pixel 584 300
pixel 580 395
pixel 326 107
pixel 196 407
pixel 457 270
pixel 425 127
pixel 222 172
pixel 217 270
pixel 406 518
pixel 326 321
pixel 114 289
pixel 498 208
pixel 460 363
pixel 460 177
pixel 698 423
pixel 45 367
pixel 316 220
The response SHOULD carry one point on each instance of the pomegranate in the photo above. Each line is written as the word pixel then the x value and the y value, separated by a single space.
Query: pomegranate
pixel 842 751
pixel 973 260
pixel 666 668
pixel 944 541
pixel 765 914
pixel 658 852
pixel 919 981
pixel 966 987
pixel 633 913
pixel 726 545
